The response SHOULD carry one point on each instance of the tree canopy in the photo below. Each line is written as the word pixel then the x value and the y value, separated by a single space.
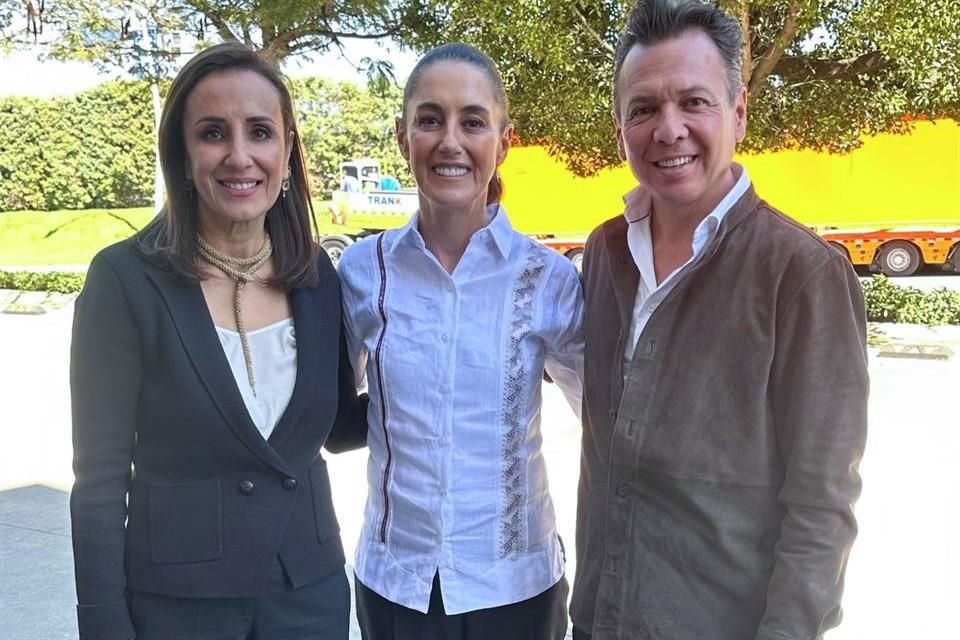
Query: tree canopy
pixel 145 37
pixel 820 73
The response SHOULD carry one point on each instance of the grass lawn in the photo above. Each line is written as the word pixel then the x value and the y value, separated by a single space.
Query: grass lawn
pixel 69 237
pixel 41 238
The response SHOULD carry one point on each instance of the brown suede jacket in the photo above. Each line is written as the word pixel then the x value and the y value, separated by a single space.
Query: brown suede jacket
pixel 718 476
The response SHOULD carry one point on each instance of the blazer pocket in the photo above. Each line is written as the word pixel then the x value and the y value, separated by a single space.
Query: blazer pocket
pixel 185 521
pixel 326 517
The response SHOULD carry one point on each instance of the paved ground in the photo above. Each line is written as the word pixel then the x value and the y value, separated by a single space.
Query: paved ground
pixel 903 574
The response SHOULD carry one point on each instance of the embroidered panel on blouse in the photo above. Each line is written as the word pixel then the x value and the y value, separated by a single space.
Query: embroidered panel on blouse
pixel 512 481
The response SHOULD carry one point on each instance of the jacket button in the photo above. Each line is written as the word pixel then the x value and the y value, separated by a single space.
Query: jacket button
pixel 246 487
pixel 613 415
pixel 622 490
pixel 289 484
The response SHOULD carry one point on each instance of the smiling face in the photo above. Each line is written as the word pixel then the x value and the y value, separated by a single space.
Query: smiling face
pixel 676 124
pixel 236 145
pixel 453 136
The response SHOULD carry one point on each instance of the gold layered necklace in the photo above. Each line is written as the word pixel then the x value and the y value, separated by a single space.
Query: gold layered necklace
pixel 242 271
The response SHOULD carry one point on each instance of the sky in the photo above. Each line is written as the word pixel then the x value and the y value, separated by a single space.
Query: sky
pixel 22 74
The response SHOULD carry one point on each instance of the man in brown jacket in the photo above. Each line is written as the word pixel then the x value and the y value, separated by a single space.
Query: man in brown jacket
pixel 725 395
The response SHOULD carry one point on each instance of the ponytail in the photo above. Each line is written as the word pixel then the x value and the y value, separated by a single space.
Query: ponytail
pixel 495 189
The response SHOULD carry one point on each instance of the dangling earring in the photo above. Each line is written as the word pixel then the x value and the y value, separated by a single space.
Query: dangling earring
pixel 285 185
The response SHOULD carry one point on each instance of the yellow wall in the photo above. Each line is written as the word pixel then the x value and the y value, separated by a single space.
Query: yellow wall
pixel 891 180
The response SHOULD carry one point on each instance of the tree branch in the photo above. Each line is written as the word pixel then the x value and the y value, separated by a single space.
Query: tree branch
pixel 769 60
pixel 606 46
pixel 747 57
pixel 389 33
pixel 794 69
pixel 217 21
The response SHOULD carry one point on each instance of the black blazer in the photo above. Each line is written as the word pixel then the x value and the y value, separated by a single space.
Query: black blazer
pixel 176 491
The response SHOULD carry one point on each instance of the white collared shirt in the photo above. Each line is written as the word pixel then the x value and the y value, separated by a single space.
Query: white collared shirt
pixel 457 481
pixel 640 241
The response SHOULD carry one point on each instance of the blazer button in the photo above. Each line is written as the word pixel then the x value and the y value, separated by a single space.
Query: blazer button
pixel 246 487
pixel 289 484
pixel 622 491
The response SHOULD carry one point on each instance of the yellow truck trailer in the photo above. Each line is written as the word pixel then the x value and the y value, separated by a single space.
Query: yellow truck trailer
pixel 893 205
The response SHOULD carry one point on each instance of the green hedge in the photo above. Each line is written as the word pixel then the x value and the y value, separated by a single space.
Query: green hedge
pixel 885 301
pixel 52 281
pixel 889 302
pixel 92 150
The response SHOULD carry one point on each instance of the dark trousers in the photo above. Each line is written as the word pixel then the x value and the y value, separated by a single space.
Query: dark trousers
pixel 580 635
pixel 320 611
pixel 543 617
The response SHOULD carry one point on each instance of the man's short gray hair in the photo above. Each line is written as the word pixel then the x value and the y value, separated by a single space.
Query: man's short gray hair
pixel 654 21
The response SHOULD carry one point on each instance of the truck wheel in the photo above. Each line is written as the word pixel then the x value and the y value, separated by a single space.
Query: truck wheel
pixel 576 257
pixel 334 248
pixel 953 262
pixel 899 258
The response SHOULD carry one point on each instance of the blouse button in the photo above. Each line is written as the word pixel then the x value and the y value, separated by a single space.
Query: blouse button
pixel 246 487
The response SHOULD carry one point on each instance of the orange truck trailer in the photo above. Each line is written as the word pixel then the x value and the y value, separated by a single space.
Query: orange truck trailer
pixel 892 205
pixel 897 252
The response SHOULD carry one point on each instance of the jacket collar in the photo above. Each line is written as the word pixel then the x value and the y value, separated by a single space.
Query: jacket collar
pixel 623 271
pixel 188 309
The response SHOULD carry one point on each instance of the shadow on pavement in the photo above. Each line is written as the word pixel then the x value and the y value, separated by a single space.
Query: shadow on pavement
pixel 37 594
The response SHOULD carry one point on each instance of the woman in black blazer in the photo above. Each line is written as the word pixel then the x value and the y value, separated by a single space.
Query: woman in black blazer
pixel 202 506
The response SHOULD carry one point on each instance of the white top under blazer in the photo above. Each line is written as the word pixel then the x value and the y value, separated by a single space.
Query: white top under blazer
pixel 273 350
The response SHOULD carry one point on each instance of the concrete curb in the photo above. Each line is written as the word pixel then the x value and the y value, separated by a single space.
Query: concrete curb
pixel 33 302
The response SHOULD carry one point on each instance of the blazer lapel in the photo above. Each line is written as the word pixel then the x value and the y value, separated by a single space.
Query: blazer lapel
pixel 308 323
pixel 187 307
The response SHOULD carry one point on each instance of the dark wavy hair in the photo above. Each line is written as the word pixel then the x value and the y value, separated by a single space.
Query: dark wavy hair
pixel 653 21
pixel 171 237
pixel 460 52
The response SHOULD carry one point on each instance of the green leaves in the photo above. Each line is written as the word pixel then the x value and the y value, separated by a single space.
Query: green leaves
pixel 822 72
pixel 93 150
pixel 145 37
pixel 340 121
pixel 888 302
pixel 825 72
pixel 52 281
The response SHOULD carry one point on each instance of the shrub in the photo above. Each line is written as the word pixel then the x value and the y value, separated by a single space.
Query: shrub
pixel 52 281
pixel 888 302
pixel 91 150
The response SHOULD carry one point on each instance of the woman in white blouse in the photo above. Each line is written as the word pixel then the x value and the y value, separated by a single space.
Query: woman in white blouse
pixel 453 319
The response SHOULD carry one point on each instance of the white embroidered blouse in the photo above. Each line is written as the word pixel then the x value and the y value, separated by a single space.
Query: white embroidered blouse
pixel 455 362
